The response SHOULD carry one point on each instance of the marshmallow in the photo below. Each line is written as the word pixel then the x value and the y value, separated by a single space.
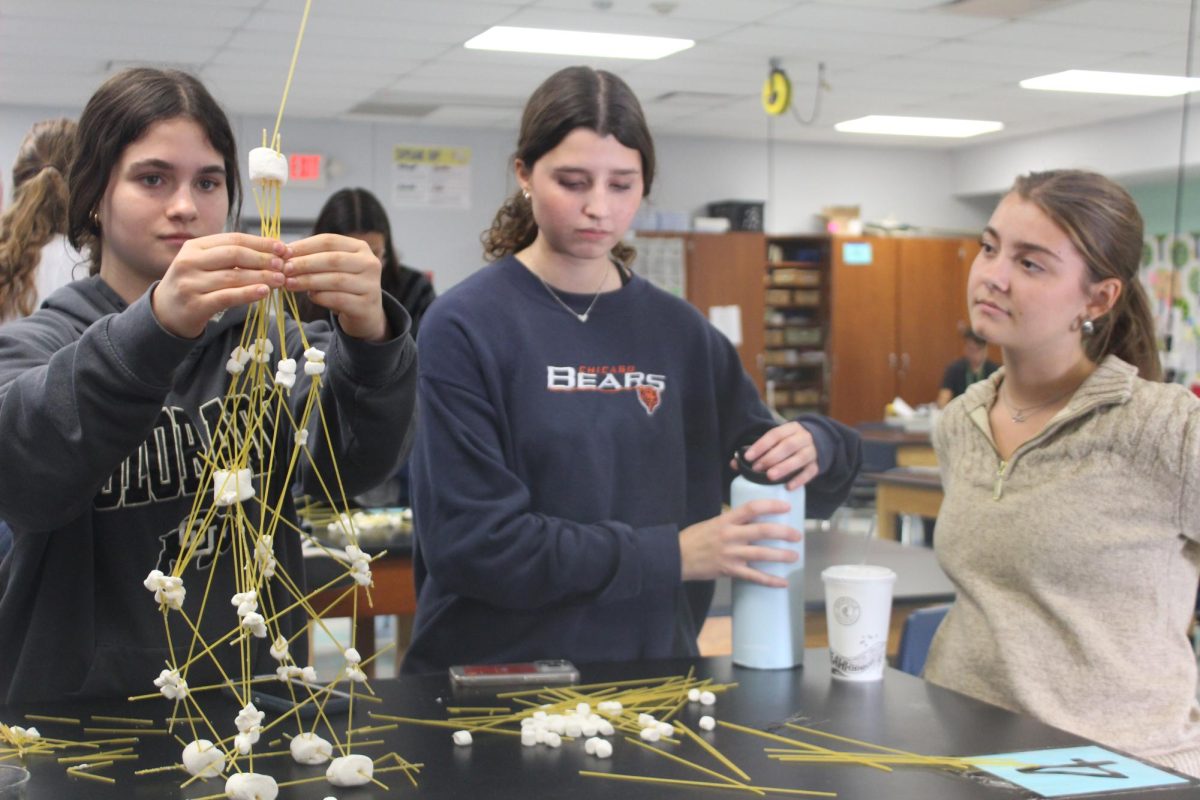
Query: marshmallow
pixel 246 602
pixel 171 685
pixel 707 699
pixel 360 562
pixel 261 350
pixel 241 355
pixel 255 623
pixel 354 673
pixel 583 709
pixel 553 739
pixel 25 735
pixel 251 786
pixel 314 368
pixel 651 734
pixel 462 738
pixel 573 728
pixel 313 354
pixel 231 487
pixel 352 770
pixel 647 721
pixel 264 555
pixel 589 728
pixel 529 737
pixel 604 748
pixel 249 718
pixel 167 589
pixel 308 748
pixel 309 675
pixel 302 437
pixel 234 367
pixel 589 746
pixel 352 656
pixel 609 706
pixel 279 650
pixel 244 742
pixel 694 695
pixel 268 166
pixel 287 672
pixel 287 366
pixel 666 729
pixel 707 723
pixel 203 759
pixel 285 379
pixel 605 728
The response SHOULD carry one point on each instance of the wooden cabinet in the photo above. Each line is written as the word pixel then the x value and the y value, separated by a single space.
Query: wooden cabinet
pixel 898 311
pixel 796 323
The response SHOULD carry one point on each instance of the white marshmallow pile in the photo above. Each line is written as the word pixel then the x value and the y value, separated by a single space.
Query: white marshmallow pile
pixel 285 373
pixel 353 670
pixel 308 748
pixel 264 555
pixel 167 589
pixel 704 698
pixel 25 735
pixel 204 759
pixel 249 724
pixel 360 565
pixel 352 770
pixel 292 672
pixel 171 685
pixel 261 349
pixel 314 361
pixel 245 602
pixel 268 166
pixel 231 487
pixel 548 729
pixel 251 786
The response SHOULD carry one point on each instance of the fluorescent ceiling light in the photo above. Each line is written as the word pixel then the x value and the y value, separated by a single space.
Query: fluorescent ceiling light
pixel 918 126
pixel 576 43
pixel 1084 80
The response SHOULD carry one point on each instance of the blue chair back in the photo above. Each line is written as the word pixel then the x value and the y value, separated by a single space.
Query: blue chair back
pixel 916 637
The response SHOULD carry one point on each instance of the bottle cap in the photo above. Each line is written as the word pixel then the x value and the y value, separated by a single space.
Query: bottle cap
pixel 747 470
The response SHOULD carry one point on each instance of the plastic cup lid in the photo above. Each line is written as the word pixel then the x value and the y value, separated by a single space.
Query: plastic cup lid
pixel 857 572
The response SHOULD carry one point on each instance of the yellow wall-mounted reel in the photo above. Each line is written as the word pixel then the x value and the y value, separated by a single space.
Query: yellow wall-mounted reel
pixel 776 92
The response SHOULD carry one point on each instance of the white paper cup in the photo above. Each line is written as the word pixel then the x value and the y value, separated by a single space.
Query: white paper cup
pixel 858 612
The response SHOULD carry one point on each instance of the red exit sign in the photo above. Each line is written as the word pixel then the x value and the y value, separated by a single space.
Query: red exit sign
pixel 306 168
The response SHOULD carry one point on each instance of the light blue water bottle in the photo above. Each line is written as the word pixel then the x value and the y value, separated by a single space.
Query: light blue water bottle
pixel 768 623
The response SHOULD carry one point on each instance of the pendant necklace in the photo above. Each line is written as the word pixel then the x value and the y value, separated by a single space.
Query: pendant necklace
pixel 1020 415
pixel 581 317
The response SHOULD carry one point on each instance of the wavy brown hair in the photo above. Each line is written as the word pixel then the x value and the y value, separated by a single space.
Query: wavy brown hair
pixel 575 97
pixel 1104 224
pixel 120 113
pixel 38 212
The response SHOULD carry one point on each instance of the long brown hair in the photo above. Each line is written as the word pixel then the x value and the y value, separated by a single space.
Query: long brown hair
pixel 1106 228
pixel 575 97
pixel 119 113
pixel 38 212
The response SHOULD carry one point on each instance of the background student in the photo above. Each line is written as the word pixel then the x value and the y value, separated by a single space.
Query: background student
pixel 577 423
pixel 961 373
pixel 1071 520
pixel 110 392
pixel 358 214
pixel 35 258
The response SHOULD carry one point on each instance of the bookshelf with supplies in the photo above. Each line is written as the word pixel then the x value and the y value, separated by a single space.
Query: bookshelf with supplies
pixel 796 323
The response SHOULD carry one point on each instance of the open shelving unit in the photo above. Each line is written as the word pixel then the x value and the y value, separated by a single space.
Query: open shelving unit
pixel 796 323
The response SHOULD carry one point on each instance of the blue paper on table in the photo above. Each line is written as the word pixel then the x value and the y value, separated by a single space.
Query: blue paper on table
pixel 1080 770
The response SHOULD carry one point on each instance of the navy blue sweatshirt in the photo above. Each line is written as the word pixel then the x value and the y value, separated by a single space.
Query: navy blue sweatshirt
pixel 556 463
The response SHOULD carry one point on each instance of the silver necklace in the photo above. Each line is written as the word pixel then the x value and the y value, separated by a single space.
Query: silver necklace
pixel 581 317
pixel 1020 415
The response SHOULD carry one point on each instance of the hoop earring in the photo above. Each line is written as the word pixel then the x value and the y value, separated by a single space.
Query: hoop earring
pixel 1088 327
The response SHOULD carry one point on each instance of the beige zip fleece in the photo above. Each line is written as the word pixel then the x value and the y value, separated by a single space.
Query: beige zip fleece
pixel 1077 563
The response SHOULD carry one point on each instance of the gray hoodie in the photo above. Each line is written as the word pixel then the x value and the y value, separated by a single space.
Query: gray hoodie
pixel 103 417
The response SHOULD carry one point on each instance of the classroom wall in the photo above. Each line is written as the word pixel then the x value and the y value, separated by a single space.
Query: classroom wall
pixel 913 186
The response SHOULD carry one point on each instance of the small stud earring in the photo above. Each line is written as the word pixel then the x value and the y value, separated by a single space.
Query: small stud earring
pixel 1088 327
pixel 525 193
pixel 95 218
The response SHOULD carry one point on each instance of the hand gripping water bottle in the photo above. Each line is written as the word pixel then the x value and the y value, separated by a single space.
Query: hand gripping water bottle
pixel 768 623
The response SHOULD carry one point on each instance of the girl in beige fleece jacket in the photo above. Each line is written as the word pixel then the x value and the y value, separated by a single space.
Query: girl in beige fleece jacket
pixel 1071 524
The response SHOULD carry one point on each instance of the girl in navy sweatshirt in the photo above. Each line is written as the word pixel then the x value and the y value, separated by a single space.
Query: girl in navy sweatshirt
pixel 577 423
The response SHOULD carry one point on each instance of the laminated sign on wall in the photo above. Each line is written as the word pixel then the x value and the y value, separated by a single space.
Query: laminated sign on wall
pixel 431 176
